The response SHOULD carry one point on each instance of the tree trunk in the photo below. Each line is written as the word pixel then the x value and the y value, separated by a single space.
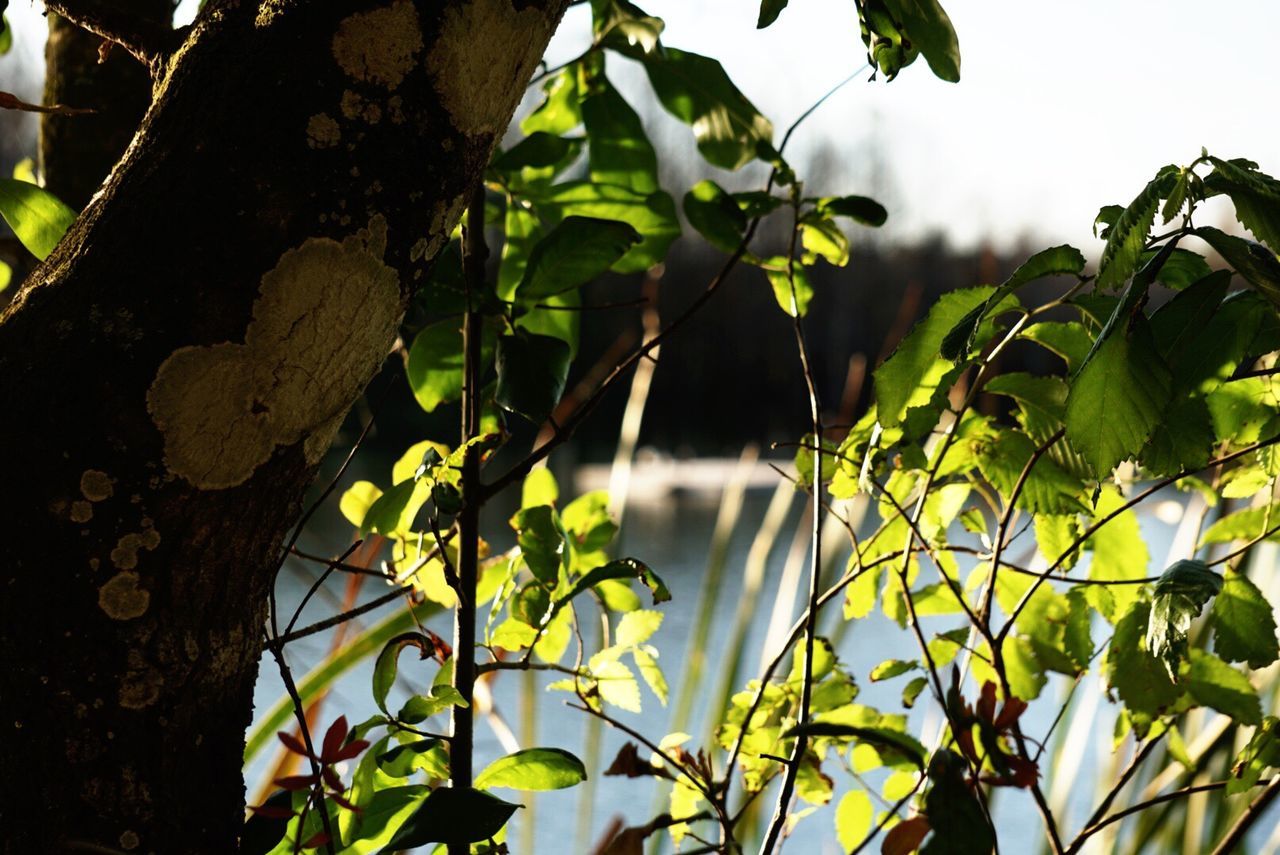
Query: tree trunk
pixel 77 152
pixel 175 370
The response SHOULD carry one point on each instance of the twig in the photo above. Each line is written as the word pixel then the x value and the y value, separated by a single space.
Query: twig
pixel 1251 815
pixel 9 101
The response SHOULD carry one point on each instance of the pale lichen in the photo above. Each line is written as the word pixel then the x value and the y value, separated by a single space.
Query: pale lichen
pixel 81 511
pixel 322 131
pixel 482 60
pixel 125 554
pixel 379 46
pixel 95 485
pixel 121 598
pixel 324 320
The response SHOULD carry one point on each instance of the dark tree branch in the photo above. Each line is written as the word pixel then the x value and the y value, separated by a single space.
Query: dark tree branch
pixel 150 42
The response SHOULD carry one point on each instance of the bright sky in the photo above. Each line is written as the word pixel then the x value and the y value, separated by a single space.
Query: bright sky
pixel 1062 107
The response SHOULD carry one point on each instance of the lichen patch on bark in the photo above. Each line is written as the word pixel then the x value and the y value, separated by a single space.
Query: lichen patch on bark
pixel 324 320
pixel 121 598
pixel 479 80
pixel 81 511
pixel 379 46
pixel 125 554
pixel 323 131
pixel 95 485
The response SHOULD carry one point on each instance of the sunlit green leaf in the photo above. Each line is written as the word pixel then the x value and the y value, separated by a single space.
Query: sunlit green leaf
pixel 1216 684
pixel 1244 625
pixel 534 769
pixel 1127 238
pixel 457 815
pixel 37 217
pixel 1179 596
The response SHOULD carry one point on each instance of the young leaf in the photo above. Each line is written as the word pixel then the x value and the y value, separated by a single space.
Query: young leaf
pixel 576 251
pixel 1244 625
pixel 387 664
pixel 1117 399
pixel 696 90
pixel 534 769
pixel 1179 596
pixel 790 283
pixel 1127 238
pixel 890 668
pixel 637 627
pixel 37 217
pixel 457 815
pixel 532 370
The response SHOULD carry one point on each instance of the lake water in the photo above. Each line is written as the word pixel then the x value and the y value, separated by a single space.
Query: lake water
pixel 673 537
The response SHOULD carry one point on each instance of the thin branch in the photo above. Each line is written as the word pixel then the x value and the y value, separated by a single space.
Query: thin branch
pixel 9 101
pixel 1251 815
pixel 329 623
pixel 1273 787
pixel 146 40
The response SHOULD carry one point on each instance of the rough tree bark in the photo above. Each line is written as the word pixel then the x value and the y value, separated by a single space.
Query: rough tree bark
pixel 77 152
pixel 174 371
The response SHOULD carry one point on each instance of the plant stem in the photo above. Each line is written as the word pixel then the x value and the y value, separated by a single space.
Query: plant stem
pixel 462 727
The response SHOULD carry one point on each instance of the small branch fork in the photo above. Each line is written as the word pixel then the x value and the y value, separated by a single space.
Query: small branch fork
pixel 148 41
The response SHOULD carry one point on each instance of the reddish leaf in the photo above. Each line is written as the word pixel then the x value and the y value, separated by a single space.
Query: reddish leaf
pixel 351 749
pixel 293 743
pixel 1025 772
pixel 1013 709
pixel 295 782
pixel 964 739
pixel 340 799
pixel 905 837
pixel 986 708
pixel 317 839
pixel 331 778
pixel 273 812
pixel 333 739
pixel 440 648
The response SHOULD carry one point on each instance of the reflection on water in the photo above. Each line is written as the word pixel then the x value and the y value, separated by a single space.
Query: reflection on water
pixel 673 536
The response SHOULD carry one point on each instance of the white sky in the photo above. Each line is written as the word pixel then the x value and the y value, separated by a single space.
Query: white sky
pixel 1062 106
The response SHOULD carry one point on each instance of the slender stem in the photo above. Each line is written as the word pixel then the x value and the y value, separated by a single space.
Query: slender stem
pixel 1251 815
pixel 462 728
pixel 815 560
pixel 148 41
pixel 299 713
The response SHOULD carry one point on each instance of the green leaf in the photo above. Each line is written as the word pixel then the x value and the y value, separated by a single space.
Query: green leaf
pixel 458 815
pixel 615 683
pixel 588 519
pixel 912 690
pixel 1127 238
pixel 782 278
pixel 387 664
pixel 576 251
pixel 929 29
pixel 890 668
pixel 1056 261
pixel 1117 398
pixel 1256 197
pixel 1179 596
pixel 435 365
pixel 541 542
pixel 715 215
pixel 1067 339
pixel 1244 626
pixel 637 627
pixel 419 708
pixel 620 151
pixel 860 209
pixel 559 112
pixel 534 769
pixel 653 215
pixel 884 739
pixel 532 371
pixel 37 217
pixel 539 488
pixel 1251 260
pixel 539 150
pixel 393 512
pixel 1077 640
pixel 1132 671
pixel 1262 751
pixel 696 90
pixel 1216 684
pixel 899 375
pixel 6 276
pixel 769 12
pixel 1046 489
pixel 1119 553
pixel 853 819
pixel 820 236
pixel 647 663
pixel 624 568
